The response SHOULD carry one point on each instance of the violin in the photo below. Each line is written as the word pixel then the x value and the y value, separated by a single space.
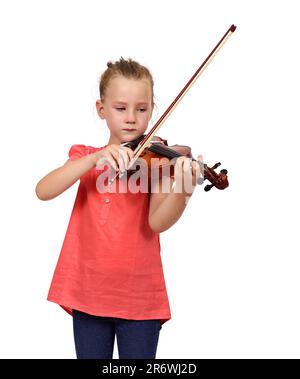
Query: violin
pixel 150 146
pixel 160 148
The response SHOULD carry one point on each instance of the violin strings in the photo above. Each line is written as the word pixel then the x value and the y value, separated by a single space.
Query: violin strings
pixel 156 148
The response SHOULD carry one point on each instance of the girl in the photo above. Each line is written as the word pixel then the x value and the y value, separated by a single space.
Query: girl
pixel 109 274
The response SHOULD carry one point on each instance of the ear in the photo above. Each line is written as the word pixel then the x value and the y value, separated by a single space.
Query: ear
pixel 100 109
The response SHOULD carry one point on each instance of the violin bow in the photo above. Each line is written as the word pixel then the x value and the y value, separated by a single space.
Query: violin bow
pixel 147 139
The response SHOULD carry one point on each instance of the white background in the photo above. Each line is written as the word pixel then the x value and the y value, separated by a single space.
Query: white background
pixel 231 263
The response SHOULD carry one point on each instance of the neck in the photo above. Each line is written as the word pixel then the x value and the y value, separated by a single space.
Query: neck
pixel 113 140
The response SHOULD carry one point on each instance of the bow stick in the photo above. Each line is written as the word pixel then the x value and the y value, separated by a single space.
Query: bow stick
pixel 147 140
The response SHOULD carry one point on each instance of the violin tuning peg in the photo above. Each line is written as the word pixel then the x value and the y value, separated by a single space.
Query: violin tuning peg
pixel 224 171
pixel 208 187
pixel 216 165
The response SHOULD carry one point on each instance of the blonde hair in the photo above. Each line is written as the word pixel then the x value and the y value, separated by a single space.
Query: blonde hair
pixel 129 69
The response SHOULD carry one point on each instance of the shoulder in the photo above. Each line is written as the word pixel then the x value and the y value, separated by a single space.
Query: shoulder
pixel 78 151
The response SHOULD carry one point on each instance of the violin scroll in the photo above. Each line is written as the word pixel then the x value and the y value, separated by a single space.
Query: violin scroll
pixel 220 181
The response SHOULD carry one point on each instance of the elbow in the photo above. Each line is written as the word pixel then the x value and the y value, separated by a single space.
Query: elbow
pixel 155 230
pixel 153 226
pixel 40 194
pixel 156 227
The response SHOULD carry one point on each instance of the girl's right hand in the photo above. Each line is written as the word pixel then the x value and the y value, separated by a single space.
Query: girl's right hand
pixel 118 156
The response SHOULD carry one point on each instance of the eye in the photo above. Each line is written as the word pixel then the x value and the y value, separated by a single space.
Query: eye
pixel 120 108
pixel 142 110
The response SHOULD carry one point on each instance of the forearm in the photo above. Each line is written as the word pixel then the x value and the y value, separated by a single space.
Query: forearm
pixel 60 179
pixel 169 211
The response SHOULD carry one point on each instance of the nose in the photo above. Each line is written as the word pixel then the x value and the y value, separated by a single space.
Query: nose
pixel 130 117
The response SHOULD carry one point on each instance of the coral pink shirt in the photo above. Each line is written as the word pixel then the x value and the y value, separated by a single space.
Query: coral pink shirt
pixel 110 263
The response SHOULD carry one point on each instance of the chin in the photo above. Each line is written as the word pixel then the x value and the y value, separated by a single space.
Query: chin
pixel 130 137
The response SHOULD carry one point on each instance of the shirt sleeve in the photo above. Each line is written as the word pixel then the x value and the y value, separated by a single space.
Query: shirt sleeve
pixel 78 151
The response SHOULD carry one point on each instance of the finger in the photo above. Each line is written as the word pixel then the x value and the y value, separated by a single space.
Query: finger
pixel 118 155
pixel 200 157
pixel 201 164
pixel 196 169
pixel 129 152
pixel 125 155
pixel 188 174
pixel 129 155
pixel 122 159
pixel 113 154
pixel 178 167
pixel 187 166
pixel 106 160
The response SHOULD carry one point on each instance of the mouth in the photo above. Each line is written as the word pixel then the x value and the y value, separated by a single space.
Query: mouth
pixel 129 130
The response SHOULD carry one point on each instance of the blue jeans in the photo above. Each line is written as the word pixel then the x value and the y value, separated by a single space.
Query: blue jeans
pixel 95 335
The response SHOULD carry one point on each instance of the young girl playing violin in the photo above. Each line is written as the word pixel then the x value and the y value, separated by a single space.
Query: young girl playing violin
pixel 109 274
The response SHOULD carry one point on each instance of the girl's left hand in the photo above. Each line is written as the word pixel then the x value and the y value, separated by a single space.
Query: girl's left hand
pixel 186 174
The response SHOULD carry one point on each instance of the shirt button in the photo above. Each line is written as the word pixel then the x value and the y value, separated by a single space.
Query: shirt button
pixel 106 200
